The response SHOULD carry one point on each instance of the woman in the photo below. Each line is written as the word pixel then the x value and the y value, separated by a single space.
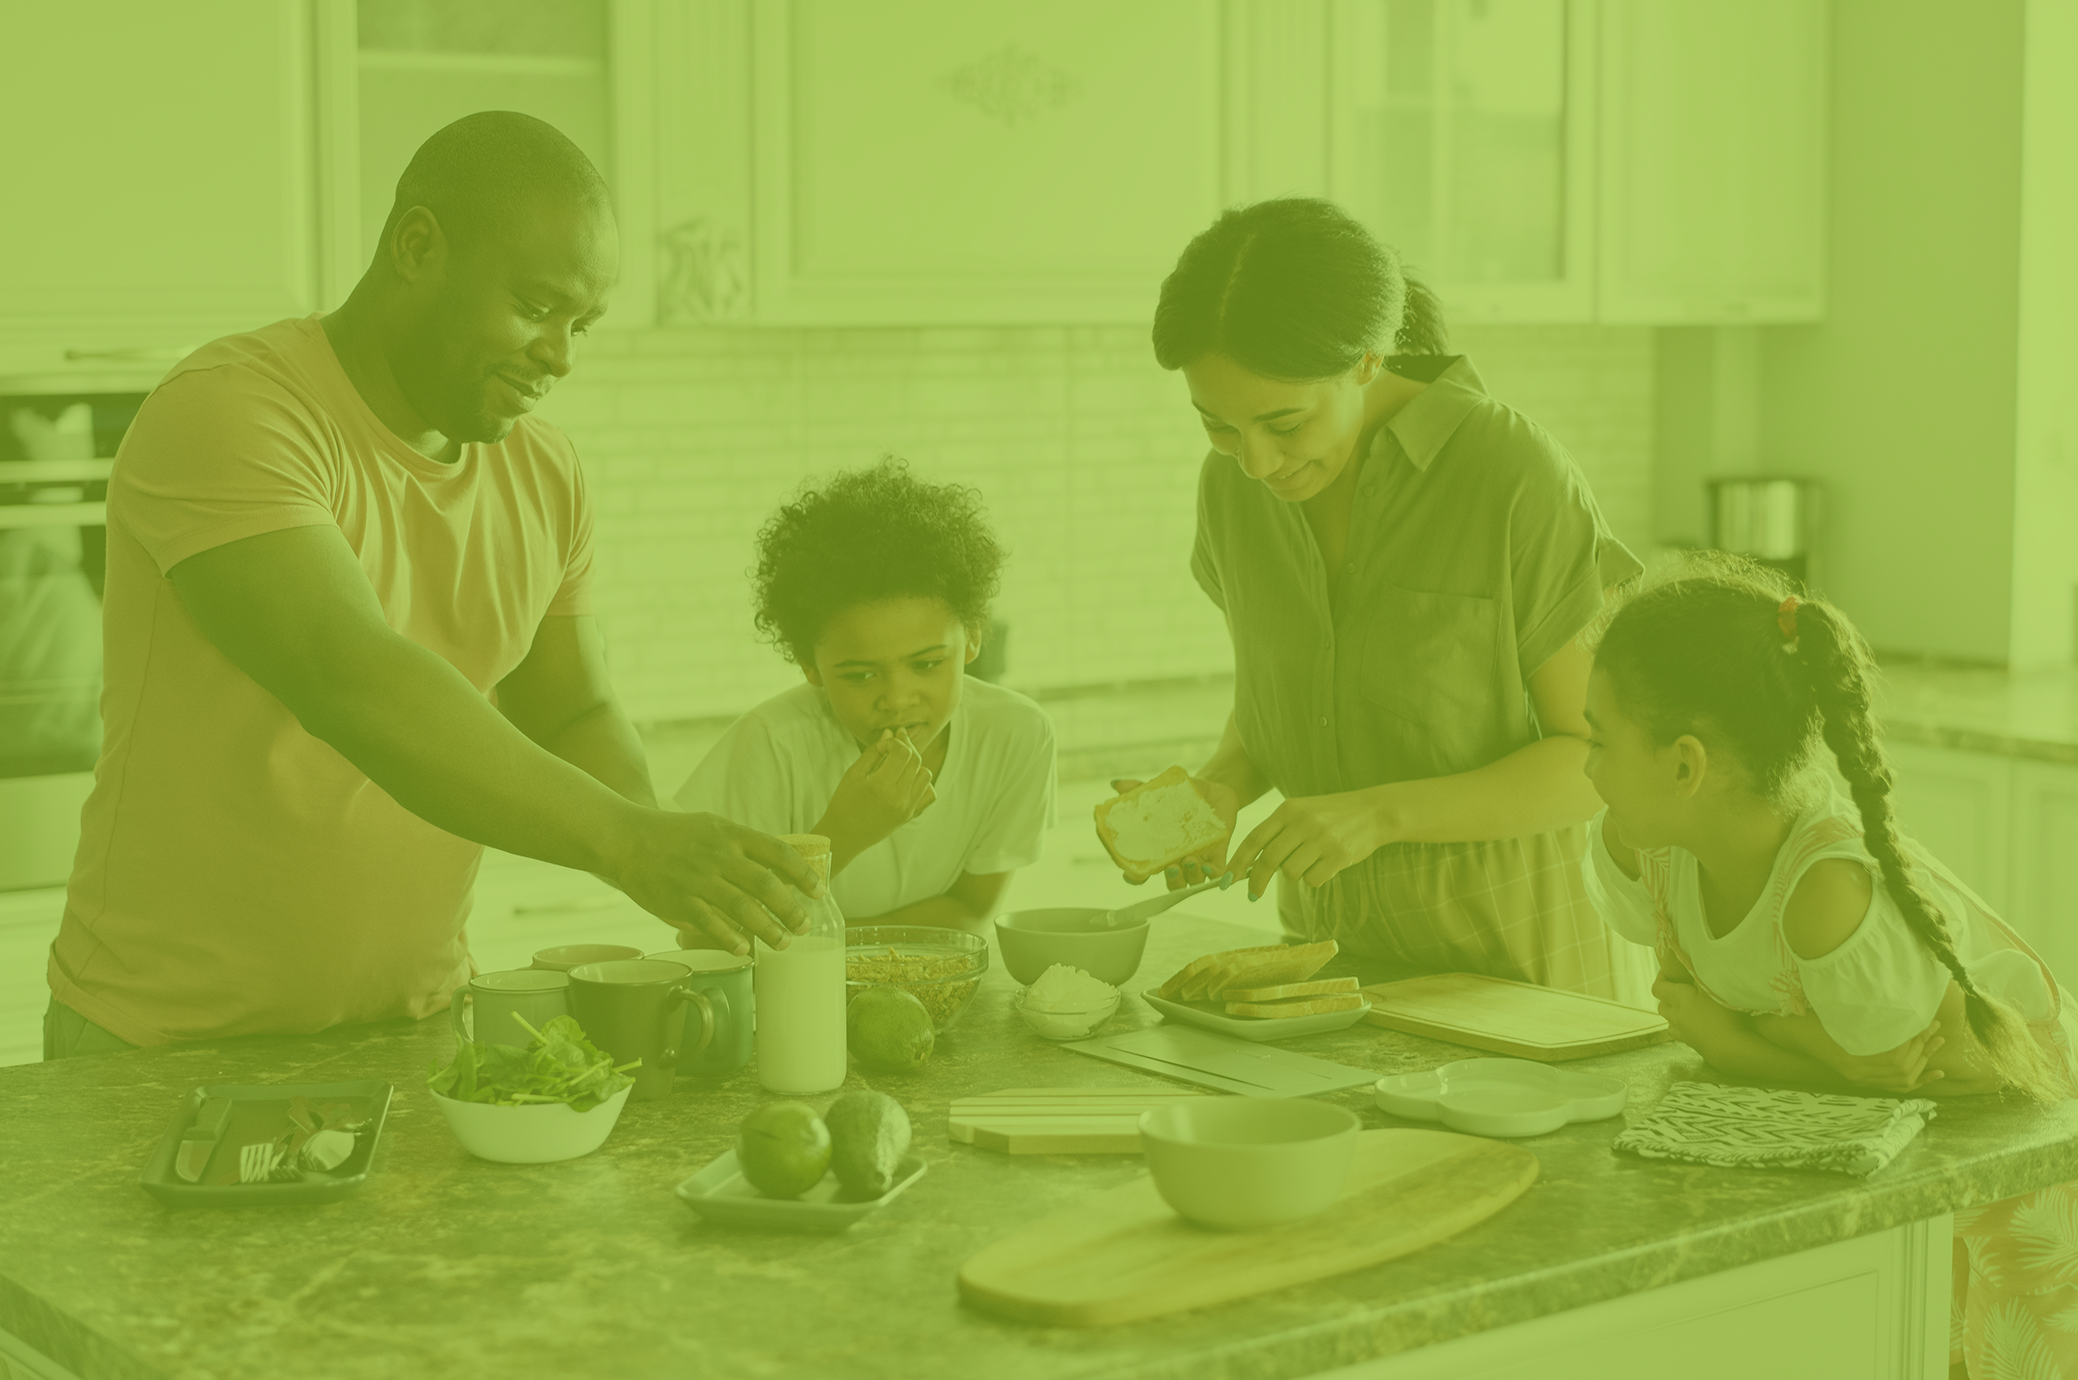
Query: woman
pixel 1405 566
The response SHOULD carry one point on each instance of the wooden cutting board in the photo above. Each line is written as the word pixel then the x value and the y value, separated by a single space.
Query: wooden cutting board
pixel 1123 1255
pixel 1519 1019
pixel 1058 1121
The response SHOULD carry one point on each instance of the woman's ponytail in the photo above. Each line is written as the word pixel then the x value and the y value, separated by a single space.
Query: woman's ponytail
pixel 1839 664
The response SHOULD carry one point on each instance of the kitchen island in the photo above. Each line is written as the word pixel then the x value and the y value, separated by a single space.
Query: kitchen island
pixel 446 1265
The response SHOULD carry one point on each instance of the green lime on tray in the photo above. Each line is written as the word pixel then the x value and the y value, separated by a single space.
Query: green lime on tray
pixel 783 1148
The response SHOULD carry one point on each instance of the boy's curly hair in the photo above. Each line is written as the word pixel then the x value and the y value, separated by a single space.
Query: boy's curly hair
pixel 865 536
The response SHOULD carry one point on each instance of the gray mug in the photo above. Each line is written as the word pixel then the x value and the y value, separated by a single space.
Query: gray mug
pixel 537 994
pixel 724 979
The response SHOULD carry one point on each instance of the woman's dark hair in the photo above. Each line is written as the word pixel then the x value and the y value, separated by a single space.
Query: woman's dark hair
pixel 865 536
pixel 1292 289
pixel 1700 650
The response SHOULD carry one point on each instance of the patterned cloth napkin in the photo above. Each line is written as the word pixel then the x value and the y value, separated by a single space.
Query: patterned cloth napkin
pixel 1774 1128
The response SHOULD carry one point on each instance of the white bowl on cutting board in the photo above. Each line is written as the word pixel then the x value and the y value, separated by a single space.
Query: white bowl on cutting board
pixel 1239 1163
pixel 1501 1097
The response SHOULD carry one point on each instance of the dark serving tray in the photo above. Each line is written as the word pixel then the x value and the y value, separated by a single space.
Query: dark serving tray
pixel 162 1183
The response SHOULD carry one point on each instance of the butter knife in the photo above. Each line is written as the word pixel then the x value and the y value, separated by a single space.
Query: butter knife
pixel 200 1139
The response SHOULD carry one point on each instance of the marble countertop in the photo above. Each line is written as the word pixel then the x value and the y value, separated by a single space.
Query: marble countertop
pixel 2031 714
pixel 445 1264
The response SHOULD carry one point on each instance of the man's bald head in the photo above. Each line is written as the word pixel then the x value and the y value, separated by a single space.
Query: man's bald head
pixel 481 174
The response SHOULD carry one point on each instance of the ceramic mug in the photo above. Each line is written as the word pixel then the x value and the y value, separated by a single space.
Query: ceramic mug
pixel 564 957
pixel 638 1008
pixel 539 996
pixel 724 979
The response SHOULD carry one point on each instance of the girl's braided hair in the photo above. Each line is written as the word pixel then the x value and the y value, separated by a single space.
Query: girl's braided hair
pixel 865 536
pixel 1701 650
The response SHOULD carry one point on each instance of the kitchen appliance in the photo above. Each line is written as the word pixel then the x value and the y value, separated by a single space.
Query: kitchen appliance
pixel 1124 1254
pixel 1772 519
pixel 56 450
pixel 1518 1019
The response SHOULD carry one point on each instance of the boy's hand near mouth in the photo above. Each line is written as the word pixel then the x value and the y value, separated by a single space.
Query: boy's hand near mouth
pixel 886 787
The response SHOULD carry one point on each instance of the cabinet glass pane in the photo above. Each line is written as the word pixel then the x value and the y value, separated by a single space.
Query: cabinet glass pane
pixel 423 66
pixel 1456 111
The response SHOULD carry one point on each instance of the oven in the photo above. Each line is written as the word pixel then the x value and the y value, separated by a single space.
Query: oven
pixel 57 444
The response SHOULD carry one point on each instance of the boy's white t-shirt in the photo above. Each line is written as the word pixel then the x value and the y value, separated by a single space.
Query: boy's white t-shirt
pixel 777 767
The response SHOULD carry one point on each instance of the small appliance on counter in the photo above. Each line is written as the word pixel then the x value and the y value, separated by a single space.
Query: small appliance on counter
pixel 1772 519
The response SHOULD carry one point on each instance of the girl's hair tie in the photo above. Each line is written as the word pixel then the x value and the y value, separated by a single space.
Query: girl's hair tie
pixel 1786 620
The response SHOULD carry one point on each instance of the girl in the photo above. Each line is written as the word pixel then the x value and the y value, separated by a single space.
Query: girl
pixel 932 788
pixel 1404 565
pixel 1801 939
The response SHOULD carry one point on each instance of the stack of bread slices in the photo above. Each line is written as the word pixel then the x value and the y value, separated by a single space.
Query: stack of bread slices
pixel 1272 982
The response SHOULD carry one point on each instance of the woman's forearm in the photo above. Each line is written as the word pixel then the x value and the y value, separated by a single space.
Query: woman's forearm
pixel 1535 789
pixel 1231 766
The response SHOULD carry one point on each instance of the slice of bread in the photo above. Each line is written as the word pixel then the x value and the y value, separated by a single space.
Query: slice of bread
pixel 1203 969
pixel 1269 965
pixel 1319 987
pixel 1304 1006
pixel 1160 821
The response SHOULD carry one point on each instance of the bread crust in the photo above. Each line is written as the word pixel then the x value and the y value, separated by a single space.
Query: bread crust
pixel 1147 867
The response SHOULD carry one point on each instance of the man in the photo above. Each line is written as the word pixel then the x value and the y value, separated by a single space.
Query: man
pixel 350 641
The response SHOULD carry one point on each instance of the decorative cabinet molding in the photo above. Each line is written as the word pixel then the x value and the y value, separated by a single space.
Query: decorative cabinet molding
pixel 161 185
pixel 981 163
pixel 1713 160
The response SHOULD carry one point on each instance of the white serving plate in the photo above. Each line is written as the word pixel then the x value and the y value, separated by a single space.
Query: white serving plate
pixel 720 1193
pixel 1501 1097
pixel 538 1134
pixel 1256 1027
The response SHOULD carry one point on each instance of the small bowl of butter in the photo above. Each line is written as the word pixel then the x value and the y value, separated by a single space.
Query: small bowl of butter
pixel 1066 1003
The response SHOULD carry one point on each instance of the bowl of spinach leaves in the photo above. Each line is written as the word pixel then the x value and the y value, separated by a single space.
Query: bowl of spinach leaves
pixel 556 1098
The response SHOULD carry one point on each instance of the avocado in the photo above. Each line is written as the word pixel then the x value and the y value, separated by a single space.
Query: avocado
pixel 869 1135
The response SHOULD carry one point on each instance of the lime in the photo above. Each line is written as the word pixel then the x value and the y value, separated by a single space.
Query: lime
pixel 783 1148
pixel 889 1030
pixel 869 1134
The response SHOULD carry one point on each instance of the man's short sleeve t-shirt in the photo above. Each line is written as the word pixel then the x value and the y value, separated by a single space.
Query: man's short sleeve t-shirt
pixel 235 874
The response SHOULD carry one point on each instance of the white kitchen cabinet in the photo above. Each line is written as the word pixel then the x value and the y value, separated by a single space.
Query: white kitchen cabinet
pixel 2045 864
pixel 392 72
pixel 957 162
pixel 160 184
pixel 1462 132
pixel 1960 805
pixel 1713 161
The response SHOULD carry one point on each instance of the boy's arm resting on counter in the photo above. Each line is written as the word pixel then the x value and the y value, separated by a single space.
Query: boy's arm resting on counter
pixel 966 904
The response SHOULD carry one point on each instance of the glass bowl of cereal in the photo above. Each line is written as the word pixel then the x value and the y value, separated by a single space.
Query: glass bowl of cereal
pixel 940 968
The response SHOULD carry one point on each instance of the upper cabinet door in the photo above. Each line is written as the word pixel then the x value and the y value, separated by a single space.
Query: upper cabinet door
pixel 1713 169
pixel 1462 133
pixel 160 182
pixel 966 161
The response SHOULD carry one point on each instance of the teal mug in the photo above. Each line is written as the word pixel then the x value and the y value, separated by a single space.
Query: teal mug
pixel 724 979
pixel 538 995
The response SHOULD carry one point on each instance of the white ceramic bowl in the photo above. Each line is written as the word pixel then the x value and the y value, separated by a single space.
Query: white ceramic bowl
pixel 1032 941
pixel 531 1135
pixel 1239 1163
pixel 1078 1024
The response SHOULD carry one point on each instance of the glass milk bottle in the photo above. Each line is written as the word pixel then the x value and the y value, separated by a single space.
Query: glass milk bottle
pixel 798 993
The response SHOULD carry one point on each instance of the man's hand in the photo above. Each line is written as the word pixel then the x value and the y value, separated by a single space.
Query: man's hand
pixel 886 787
pixel 1310 839
pixel 718 882
pixel 1207 863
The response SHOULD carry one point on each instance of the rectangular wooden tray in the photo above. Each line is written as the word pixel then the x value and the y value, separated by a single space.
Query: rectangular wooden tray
pixel 1519 1019
pixel 162 1183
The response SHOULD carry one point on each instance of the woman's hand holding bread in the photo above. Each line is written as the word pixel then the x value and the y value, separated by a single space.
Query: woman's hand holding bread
pixel 886 787
pixel 1137 825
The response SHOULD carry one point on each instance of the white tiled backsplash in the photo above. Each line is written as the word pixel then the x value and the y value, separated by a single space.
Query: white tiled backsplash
pixel 1084 451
